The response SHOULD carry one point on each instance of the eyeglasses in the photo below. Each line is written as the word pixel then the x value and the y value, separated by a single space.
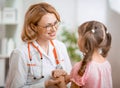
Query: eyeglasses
pixel 50 26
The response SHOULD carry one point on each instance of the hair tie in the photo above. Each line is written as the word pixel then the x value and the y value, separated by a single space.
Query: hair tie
pixel 100 51
pixel 107 32
pixel 93 30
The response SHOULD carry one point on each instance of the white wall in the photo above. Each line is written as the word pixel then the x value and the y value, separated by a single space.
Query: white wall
pixel 113 23
pixel 91 10
pixel 67 10
pixel 27 3
pixel 115 5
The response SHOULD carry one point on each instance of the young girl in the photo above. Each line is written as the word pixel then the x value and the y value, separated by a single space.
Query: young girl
pixel 94 71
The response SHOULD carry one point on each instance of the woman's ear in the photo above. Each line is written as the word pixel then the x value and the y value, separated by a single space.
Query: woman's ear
pixel 33 27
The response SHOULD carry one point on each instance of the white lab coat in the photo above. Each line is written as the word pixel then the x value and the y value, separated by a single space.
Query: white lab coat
pixel 18 70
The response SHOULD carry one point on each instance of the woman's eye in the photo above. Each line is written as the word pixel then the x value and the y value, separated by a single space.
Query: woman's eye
pixel 47 26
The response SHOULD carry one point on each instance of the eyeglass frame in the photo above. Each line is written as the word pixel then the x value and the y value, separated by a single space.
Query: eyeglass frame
pixel 49 26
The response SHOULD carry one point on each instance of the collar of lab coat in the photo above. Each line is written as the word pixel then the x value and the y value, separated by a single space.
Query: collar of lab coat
pixel 50 55
pixel 51 47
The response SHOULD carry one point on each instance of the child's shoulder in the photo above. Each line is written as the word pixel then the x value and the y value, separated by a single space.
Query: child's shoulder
pixel 106 62
pixel 77 65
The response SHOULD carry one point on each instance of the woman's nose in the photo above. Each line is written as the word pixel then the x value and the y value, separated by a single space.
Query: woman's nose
pixel 54 28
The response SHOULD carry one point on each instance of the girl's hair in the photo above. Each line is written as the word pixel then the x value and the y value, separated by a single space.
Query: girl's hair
pixel 32 17
pixel 93 35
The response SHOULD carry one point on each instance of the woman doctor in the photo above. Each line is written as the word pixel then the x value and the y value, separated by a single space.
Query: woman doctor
pixel 32 64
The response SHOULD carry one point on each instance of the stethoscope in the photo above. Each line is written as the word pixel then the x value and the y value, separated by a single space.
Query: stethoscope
pixel 41 58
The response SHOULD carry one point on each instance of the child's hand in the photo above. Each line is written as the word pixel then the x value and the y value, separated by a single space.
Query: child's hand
pixel 52 82
pixel 73 85
pixel 62 83
pixel 67 79
pixel 58 72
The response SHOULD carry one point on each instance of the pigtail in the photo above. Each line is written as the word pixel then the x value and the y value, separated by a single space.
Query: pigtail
pixel 107 46
pixel 85 61
pixel 88 50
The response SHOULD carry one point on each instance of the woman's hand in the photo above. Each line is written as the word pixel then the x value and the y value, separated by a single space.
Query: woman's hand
pixel 58 72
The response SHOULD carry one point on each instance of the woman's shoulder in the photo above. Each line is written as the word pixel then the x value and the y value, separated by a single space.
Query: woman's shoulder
pixel 19 54
pixel 20 49
pixel 59 43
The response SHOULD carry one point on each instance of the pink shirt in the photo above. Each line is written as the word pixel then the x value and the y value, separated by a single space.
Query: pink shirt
pixel 97 75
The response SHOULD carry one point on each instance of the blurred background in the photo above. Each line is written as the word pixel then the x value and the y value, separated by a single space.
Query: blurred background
pixel 73 13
